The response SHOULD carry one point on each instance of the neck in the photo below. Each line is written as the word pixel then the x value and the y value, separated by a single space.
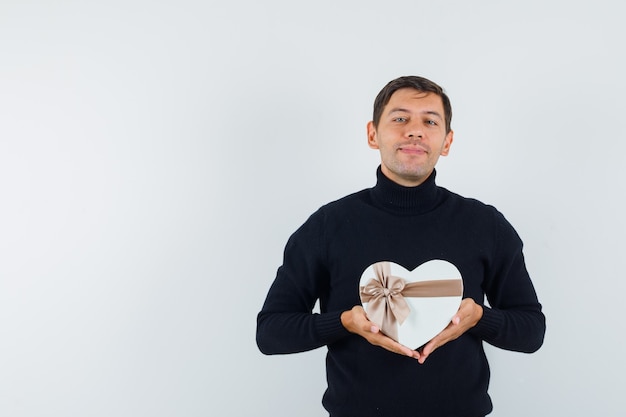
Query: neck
pixel 404 181
pixel 403 199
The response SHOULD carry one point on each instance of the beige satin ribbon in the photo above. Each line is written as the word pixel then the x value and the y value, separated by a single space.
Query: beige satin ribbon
pixel 385 296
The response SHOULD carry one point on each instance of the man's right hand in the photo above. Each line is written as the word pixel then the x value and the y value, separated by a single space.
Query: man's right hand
pixel 355 321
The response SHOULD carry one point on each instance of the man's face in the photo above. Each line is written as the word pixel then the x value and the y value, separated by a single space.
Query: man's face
pixel 411 135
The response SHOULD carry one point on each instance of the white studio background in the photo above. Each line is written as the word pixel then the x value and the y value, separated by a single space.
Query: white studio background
pixel 155 157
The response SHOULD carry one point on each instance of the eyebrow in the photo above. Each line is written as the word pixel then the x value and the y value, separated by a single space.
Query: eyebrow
pixel 403 110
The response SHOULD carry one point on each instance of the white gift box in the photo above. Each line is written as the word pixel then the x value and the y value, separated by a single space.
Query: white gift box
pixel 414 306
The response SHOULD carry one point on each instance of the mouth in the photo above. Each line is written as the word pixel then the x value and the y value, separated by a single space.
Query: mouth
pixel 412 150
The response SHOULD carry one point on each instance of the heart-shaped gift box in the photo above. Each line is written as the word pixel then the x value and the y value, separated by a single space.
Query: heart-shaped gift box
pixel 414 306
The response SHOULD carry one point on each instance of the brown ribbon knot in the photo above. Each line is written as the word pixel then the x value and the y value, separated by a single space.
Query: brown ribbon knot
pixel 385 296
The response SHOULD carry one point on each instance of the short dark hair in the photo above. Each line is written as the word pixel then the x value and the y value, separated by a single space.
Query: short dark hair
pixel 417 83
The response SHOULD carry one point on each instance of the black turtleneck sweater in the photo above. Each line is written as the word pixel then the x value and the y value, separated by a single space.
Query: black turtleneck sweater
pixel 325 258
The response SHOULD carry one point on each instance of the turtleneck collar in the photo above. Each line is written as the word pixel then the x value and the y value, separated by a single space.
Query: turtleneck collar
pixel 406 200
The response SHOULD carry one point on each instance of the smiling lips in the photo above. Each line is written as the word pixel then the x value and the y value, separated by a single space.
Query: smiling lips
pixel 412 150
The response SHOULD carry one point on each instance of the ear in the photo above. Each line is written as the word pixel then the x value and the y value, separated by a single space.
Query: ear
pixel 372 140
pixel 447 142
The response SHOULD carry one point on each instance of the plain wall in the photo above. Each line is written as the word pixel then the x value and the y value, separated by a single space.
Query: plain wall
pixel 155 157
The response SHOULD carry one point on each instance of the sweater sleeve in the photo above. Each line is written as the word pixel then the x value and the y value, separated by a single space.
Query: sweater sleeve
pixel 286 323
pixel 514 319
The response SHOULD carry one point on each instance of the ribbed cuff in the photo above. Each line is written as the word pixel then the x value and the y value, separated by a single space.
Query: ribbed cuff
pixel 329 327
pixel 489 324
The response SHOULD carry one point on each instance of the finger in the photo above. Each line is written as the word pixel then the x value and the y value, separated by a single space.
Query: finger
pixel 391 345
pixel 429 348
pixel 403 350
pixel 407 351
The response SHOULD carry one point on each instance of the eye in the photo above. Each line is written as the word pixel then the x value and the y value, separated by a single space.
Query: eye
pixel 431 122
pixel 400 119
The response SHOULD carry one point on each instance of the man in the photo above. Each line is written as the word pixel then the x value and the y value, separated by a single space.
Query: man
pixel 407 219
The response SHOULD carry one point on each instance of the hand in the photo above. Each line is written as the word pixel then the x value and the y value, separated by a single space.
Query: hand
pixel 466 317
pixel 355 321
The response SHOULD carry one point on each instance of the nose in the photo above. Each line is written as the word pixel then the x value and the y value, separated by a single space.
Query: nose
pixel 415 134
pixel 414 131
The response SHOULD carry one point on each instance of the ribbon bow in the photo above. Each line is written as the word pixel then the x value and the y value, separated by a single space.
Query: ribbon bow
pixel 385 296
